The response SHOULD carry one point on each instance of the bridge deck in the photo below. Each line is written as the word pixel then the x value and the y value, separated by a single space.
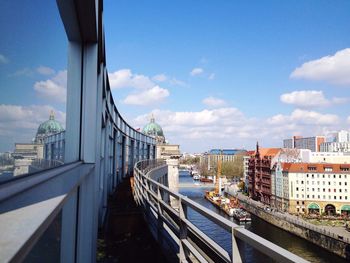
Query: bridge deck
pixel 126 237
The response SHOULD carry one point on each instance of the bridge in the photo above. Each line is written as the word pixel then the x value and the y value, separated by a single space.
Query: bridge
pixel 56 213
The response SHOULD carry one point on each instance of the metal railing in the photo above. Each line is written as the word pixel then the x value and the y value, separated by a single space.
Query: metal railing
pixel 193 244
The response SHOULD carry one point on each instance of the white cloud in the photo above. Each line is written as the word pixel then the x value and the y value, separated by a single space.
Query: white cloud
pixel 229 127
pixel 147 97
pixel 3 59
pixel 304 117
pixel 310 99
pixel 23 72
pixel 20 123
pixel 45 70
pixel 196 71
pixel 334 69
pixel 160 78
pixel 53 89
pixel 124 78
pixel 305 98
pixel 211 76
pixel 213 102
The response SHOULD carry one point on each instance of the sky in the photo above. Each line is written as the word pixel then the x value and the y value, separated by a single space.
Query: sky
pixel 215 74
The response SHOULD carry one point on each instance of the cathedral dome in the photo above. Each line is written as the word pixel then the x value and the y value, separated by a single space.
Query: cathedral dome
pixel 48 127
pixel 153 129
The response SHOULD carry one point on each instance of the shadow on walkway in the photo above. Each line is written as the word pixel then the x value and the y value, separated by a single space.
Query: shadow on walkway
pixel 126 237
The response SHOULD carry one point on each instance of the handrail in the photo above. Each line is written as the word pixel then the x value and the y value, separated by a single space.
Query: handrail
pixel 192 242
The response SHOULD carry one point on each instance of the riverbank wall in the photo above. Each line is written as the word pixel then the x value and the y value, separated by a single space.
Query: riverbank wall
pixel 329 241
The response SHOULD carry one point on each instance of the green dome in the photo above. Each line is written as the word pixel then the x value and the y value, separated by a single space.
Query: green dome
pixel 49 127
pixel 153 129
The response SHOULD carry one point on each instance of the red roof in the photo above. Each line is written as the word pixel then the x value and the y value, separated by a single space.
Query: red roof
pixel 315 167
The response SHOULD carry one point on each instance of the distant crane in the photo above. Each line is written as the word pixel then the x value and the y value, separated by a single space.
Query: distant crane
pixel 218 175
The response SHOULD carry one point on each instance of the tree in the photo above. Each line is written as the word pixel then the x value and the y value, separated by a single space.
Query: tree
pixel 233 168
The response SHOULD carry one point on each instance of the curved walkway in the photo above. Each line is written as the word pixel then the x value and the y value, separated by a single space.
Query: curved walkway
pixel 126 237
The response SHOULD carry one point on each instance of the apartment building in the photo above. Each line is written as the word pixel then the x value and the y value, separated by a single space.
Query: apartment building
pixel 311 188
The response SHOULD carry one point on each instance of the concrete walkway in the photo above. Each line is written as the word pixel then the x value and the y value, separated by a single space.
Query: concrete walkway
pixel 328 230
pixel 126 237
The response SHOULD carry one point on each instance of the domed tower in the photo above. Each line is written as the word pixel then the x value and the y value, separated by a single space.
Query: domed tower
pixel 47 128
pixel 153 129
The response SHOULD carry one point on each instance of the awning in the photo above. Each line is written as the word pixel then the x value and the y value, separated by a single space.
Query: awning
pixel 313 206
pixel 345 208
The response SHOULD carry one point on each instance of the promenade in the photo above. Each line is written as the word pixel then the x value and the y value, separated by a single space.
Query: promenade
pixel 335 232
pixel 126 237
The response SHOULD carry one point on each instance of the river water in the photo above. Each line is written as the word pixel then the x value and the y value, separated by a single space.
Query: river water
pixel 258 226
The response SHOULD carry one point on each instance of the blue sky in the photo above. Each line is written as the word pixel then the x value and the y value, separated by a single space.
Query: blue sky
pixel 214 73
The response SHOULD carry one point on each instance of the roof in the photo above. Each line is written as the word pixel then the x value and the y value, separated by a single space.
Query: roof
pixel 153 129
pixel 315 167
pixel 50 126
pixel 268 152
pixel 226 151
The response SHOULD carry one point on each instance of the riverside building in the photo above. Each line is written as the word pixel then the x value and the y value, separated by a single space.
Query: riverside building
pixel 259 174
pixel 212 157
pixel 305 188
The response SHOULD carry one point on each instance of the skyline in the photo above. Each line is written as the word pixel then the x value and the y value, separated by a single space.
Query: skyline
pixel 200 73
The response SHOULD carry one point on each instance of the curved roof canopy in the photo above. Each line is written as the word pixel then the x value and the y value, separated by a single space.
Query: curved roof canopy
pixel 313 206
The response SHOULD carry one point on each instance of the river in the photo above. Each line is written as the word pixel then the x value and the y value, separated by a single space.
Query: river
pixel 258 226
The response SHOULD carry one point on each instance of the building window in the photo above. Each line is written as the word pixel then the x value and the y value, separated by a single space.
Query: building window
pixel 297 188
pixel 333 175
pixel 323 182
pixel 307 175
pixel 318 189
pixel 297 202
pixel 313 196
pixel 302 182
pixel 324 189
pixel 346 197
pixel 313 189
pixel 323 176
pixel 307 196
pixel 329 189
pixel 346 183
pixel 339 175
pixel 329 183
pixel 335 190
pixel 312 176
pixel 339 183
pixel 335 198
pixel 297 195
pixel 340 197
pixel 302 202
pixel 324 197
pixel 318 197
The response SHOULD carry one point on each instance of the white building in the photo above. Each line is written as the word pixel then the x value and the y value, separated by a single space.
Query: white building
pixel 343 136
pixel 311 187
